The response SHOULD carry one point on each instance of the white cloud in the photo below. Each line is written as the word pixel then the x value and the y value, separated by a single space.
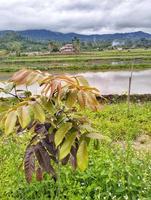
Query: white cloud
pixel 82 16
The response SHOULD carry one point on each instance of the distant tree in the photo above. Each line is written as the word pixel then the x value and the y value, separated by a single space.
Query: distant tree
pixel 76 44
pixel 15 47
pixel 50 46
pixel 53 46
pixel 12 36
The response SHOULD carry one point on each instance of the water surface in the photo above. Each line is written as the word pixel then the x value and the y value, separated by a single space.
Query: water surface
pixel 116 82
pixel 111 82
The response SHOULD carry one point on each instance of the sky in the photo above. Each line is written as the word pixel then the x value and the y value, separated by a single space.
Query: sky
pixel 80 16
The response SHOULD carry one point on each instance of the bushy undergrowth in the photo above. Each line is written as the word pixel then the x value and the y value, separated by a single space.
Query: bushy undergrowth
pixel 113 172
pixel 113 120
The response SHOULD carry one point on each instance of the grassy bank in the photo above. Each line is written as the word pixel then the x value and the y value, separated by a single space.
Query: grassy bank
pixel 71 68
pixel 140 59
pixel 113 173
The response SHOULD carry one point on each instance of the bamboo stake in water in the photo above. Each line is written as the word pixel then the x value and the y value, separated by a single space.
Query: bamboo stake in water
pixel 129 89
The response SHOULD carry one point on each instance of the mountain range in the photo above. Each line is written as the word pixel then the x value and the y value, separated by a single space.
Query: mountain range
pixel 45 35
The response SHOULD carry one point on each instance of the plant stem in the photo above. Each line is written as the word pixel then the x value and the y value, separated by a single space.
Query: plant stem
pixel 58 178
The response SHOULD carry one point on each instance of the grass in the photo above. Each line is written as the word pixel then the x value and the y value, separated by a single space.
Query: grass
pixel 113 173
pixel 141 59
pixel 115 122
pixel 71 68
pixel 74 59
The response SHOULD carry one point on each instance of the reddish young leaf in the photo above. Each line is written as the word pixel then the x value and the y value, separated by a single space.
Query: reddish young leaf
pixel 29 163
pixel 39 174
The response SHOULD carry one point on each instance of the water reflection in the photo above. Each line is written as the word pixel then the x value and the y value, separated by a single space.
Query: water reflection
pixel 112 82
pixel 116 82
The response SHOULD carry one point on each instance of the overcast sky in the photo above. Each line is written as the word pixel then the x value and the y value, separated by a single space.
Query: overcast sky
pixel 81 16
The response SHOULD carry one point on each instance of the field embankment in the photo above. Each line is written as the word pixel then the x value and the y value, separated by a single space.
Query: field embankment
pixel 103 60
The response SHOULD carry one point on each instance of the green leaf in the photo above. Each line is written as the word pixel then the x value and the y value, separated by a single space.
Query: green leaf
pixel 87 127
pixel 66 147
pixel 23 116
pixel 48 106
pixel 10 122
pixel 71 99
pixel 61 132
pixel 82 156
pixel 95 136
pixel 99 137
pixel 38 112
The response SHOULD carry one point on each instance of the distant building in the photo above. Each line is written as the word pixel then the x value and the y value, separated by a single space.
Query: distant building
pixel 67 48
pixel 119 48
